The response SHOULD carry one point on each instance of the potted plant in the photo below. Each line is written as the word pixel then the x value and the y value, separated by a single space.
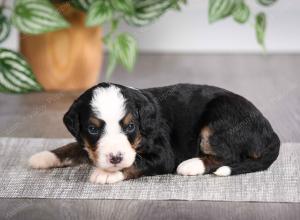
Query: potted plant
pixel 61 40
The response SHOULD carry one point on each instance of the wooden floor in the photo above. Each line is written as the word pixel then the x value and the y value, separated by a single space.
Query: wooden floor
pixel 270 82
pixel 47 209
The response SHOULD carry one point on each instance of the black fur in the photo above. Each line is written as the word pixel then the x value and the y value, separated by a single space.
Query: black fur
pixel 170 120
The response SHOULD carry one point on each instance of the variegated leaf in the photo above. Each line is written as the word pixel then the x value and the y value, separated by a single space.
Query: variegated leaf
pixel 82 4
pixel 266 2
pixel 125 50
pixel 260 27
pixel 241 12
pixel 15 74
pixel 99 12
pixel 126 6
pixel 37 17
pixel 147 11
pixel 4 28
pixel 219 9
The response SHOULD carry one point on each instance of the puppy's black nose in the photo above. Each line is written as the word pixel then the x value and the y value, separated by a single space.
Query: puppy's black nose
pixel 115 159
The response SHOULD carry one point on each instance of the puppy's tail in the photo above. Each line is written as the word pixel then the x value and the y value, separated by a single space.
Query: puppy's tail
pixel 253 165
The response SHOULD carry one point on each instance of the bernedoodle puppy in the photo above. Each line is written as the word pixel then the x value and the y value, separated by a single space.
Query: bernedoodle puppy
pixel 189 129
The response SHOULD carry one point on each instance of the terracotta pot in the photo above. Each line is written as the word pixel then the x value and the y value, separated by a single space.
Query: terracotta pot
pixel 69 59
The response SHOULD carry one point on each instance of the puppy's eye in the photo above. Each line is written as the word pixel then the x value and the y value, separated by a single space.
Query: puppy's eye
pixel 130 128
pixel 93 130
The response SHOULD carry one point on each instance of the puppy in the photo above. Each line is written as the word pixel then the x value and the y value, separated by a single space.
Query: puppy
pixel 190 129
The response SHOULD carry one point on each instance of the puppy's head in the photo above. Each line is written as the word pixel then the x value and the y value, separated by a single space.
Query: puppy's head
pixel 107 121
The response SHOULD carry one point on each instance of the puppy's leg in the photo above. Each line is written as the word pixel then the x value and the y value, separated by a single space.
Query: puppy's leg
pixel 211 160
pixel 198 166
pixel 68 155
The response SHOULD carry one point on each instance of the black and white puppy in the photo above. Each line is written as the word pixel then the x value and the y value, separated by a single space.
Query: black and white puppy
pixel 189 129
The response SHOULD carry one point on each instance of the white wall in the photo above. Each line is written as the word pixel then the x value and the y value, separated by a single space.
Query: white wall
pixel 189 31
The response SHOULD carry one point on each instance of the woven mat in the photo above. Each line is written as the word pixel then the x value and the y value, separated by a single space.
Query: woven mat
pixel 281 183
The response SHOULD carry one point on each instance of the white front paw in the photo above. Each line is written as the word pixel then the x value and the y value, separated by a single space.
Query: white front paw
pixel 103 177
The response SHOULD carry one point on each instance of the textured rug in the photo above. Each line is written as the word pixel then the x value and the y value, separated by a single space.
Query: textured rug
pixel 281 183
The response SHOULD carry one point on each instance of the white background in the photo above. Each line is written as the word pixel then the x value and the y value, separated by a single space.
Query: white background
pixel 189 31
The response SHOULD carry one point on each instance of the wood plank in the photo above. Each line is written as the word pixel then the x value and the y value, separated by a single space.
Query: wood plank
pixel 133 209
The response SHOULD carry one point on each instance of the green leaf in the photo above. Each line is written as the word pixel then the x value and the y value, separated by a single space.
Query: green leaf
pixel 4 28
pixel 125 50
pixel 219 9
pixel 147 11
pixel 122 50
pixel 176 5
pixel 112 59
pixel 15 74
pixel 83 5
pixel 37 17
pixel 126 6
pixel 114 25
pixel 241 12
pixel 266 2
pixel 99 12
pixel 133 20
pixel 260 27
pixel 112 63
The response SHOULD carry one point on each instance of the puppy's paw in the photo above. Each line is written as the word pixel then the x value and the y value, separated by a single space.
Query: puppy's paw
pixel 191 167
pixel 44 160
pixel 103 177
pixel 223 171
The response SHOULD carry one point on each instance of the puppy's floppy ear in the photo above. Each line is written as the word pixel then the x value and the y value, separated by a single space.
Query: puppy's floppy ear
pixel 147 113
pixel 71 119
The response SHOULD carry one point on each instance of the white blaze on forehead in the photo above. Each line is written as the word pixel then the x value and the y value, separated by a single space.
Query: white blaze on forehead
pixel 109 105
